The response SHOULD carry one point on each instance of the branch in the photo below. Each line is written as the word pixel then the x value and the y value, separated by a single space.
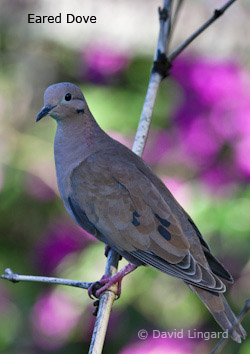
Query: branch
pixel 176 12
pixel 216 15
pixel 222 342
pixel 104 308
pixel 15 278
pixel 158 73
pixel 162 65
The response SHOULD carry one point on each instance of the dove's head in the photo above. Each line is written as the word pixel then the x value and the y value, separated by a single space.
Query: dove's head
pixel 63 101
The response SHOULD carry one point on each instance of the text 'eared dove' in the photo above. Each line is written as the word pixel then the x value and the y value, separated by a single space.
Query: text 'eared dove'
pixel 115 196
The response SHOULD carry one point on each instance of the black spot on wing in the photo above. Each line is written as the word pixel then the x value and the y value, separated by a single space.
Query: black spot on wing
pixel 164 222
pixel 135 221
pixel 165 233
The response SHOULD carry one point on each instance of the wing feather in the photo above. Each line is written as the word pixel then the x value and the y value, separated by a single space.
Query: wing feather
pixel 134 217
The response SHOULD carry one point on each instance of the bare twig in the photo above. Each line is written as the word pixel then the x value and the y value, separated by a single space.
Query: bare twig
pixel 162 64
pixel 216 15
pixel 15 278
pixel 220 345
pixel 176 12
pixel 155 78
pixel 106 301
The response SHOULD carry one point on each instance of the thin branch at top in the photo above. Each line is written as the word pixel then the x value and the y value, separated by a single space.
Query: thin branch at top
pixel 216 15
pixel 155 78
pixel 176 13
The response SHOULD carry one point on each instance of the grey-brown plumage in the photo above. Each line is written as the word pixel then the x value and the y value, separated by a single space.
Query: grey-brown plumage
pixel 114 195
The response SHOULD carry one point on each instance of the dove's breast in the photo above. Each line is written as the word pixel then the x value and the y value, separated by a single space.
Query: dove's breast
pixel 69 153
pixel 71 148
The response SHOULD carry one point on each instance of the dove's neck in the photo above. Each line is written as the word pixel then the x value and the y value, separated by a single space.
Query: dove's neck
pixel 76 139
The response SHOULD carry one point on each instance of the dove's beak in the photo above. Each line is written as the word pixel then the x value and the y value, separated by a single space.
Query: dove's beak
pixel 44 112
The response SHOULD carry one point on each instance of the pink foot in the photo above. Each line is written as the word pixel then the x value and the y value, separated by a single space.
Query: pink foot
pixel 107 281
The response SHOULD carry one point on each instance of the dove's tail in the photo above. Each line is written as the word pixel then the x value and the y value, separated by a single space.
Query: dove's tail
pixel 221 311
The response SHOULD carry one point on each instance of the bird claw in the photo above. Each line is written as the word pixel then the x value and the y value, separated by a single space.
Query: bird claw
pixel 103 284
pixel 93 289
pixel 96 304
pixel 107 281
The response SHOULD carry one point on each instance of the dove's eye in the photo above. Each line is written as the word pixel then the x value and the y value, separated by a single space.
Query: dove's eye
pixel 68 96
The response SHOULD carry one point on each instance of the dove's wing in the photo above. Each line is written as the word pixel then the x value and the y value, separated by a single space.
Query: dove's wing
pixel 122 204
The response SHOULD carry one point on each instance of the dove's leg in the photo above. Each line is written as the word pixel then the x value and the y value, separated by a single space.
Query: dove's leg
pixel 108 280
pixel 107 249
pixel 106 252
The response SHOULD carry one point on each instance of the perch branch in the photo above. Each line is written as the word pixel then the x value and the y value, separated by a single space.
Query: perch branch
pixel 216 15
pixel 15 278
pixel 222 342
pixel 104 308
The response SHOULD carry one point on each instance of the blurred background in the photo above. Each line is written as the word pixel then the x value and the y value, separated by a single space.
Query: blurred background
pixel 199 144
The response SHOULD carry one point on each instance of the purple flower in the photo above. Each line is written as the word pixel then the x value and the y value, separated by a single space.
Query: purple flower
pixel 60 240
pixel 213 120
pixel 101 64
pixel 242 151
pixel 200 142
pixel 53 317
pixel 213 81
pixel 161 345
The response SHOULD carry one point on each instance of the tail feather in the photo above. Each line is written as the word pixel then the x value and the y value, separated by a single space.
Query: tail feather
pixel 232 318
pixel 221 311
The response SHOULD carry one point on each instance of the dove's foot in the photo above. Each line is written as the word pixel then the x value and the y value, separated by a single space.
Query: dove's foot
pixel 107 281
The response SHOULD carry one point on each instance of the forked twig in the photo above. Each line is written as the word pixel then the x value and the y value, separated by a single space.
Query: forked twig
pixel 217 13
